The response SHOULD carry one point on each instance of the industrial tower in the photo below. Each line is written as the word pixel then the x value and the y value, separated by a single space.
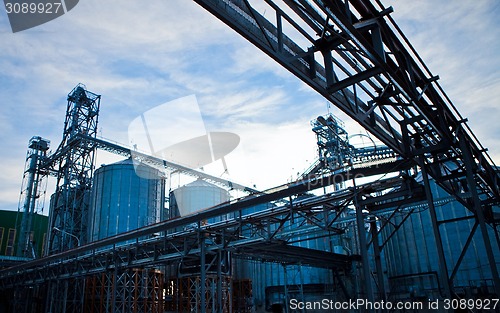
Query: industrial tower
pixel 73 162
pixel 32 192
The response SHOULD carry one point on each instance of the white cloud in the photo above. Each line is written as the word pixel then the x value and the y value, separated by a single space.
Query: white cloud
pixel 270 155
pixel 459 41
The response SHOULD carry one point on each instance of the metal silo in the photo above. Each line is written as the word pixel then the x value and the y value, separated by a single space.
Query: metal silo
pixel 196 196
pixel 186 278
pixel 191 198
pixel 125 197
pixel 411 254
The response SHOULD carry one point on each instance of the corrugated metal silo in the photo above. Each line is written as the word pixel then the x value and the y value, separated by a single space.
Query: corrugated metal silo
pixel 196 196
pixel 125 197
pixel 411 254
pixel 189 199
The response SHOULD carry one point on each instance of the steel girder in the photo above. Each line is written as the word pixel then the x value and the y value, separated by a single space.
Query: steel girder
pixel 353 54
pixel 50 164
pixel 163 165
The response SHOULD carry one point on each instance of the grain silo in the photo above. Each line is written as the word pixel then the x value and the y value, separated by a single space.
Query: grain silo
pixel 412 258
pixel 196 196
pixel 125 196
pixel 185 279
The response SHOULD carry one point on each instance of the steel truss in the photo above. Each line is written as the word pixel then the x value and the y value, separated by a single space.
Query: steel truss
pixel 161 164
pixel 270 235
pixel 242 291
pixel 267 235
pixel 74 165
pixel 355 55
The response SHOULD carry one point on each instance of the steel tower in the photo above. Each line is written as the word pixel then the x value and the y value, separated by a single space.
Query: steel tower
pixel 74 163
pixel 31 192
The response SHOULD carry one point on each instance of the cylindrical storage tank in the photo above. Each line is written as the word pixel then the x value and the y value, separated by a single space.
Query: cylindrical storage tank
pixel 411 253
pixel 196 196
pixel 125 196
pixel 190 199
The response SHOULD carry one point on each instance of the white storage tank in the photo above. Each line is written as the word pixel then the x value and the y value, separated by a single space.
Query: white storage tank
pixel 196 196
pixel 190 199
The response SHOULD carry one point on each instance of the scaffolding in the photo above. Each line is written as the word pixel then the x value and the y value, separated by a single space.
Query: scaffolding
pixel 130 290
pixel 187 295
pixel 242 296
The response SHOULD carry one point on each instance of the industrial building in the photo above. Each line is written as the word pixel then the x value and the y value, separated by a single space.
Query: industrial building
pixel 412 221
pixel 9 237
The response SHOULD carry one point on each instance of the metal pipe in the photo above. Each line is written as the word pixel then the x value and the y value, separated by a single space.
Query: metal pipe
pixel 378 263
pixel 65 232
pixel 220 308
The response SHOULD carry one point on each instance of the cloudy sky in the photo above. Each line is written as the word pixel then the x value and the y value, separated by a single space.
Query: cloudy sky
pixel 140 54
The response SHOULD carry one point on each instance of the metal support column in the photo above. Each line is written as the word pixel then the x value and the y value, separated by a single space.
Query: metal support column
pixel 285 286
pixel 302 298
pixel 497 235
pixel 478 210
pixel 360 223
pixel 114 289
pixel 220 309
pixel 31 194
pixel 203 274
pixel 443 270
pixel 378 263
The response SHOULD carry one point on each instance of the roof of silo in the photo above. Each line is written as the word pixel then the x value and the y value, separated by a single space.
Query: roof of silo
pixel 200 183
pixel 140 168
pixel 129 161
pixel 124 162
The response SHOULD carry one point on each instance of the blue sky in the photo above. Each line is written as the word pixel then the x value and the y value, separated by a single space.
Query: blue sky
pixel 140 54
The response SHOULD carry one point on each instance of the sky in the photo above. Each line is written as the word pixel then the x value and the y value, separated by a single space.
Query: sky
pixel 141 54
